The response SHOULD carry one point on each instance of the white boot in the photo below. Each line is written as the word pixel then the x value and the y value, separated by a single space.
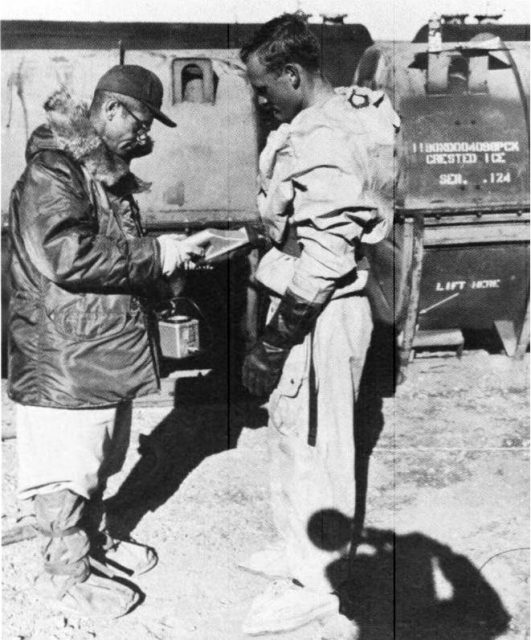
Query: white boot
pixel 284 606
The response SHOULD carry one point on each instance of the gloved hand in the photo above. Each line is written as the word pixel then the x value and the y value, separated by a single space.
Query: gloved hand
pixel 257 235
pixel 178 252
pixel 292 321
pixel 262 368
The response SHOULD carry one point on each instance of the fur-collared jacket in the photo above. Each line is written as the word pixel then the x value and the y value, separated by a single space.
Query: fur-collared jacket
pixel 80 332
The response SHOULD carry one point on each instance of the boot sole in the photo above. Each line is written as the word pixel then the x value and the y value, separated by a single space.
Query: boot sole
pixel 61 607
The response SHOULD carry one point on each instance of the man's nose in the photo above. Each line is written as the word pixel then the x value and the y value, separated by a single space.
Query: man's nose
pixel 262 101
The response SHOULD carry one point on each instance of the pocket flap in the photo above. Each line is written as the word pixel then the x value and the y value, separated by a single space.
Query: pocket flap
pixel 295 369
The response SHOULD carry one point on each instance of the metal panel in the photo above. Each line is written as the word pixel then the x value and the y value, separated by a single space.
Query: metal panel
pixel 465 151
pixel 461 150
pixel 204 171
pixel 471 287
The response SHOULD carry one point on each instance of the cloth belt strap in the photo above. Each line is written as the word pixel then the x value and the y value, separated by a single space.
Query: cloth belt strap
pixel 312 409
pixel 291 247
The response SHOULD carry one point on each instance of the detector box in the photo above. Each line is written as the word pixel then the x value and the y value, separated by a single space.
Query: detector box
pixel 179 336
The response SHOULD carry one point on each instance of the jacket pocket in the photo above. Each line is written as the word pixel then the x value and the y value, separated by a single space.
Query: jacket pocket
pixel 88 318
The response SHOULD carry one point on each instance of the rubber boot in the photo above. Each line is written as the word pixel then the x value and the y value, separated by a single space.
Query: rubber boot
pixel 69 580
pixel 126 556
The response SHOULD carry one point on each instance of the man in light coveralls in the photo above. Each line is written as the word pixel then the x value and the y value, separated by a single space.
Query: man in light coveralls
pixel 326 182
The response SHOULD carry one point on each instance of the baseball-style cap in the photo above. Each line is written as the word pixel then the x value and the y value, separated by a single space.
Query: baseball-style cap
pixel 139 83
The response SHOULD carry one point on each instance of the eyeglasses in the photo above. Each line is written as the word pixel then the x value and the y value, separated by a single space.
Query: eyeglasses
pixel 143 125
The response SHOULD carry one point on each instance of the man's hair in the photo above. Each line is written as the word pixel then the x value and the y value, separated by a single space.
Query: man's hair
pixel 282 40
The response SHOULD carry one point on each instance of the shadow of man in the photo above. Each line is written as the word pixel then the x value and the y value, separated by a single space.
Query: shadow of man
pixel 209 412
pixel 204 423
pixel 408 587
pixel 379 380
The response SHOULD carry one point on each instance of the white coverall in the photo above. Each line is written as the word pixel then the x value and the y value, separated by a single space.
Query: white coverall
pixel 323 164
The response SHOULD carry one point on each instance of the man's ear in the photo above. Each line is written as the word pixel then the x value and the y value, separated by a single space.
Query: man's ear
pixel 110 108
pixel 294 74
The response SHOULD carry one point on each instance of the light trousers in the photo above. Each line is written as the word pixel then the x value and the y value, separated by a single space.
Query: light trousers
pixel 76 449
pixel 306 481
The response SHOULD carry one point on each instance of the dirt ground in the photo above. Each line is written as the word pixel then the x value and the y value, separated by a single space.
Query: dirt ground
pixel 445 549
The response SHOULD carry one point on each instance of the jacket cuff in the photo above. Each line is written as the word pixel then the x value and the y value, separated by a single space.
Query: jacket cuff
pixel 294 318
pixel 144 262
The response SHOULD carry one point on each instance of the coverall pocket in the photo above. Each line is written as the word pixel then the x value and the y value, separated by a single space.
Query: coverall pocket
pixel 286 404
pixel 295 370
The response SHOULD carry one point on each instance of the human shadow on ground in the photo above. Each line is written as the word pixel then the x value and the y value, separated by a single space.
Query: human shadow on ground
pixel 209 411
pixel 379 380
pixel 206 420
pixel 408 587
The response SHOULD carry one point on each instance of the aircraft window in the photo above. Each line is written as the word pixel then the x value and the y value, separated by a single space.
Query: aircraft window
pixel 458 73
pixel 193 81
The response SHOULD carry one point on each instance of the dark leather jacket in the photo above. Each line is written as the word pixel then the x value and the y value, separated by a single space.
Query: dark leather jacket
pixel 79 330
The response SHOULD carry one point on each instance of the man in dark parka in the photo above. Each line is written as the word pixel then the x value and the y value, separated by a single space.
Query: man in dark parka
pixel 81 333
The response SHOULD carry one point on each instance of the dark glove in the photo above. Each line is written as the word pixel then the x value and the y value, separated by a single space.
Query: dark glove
pixel 293 320
pixel 262 368
pixel 257 235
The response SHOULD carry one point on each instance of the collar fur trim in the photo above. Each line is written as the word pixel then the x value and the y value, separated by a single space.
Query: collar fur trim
pixel 73 132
